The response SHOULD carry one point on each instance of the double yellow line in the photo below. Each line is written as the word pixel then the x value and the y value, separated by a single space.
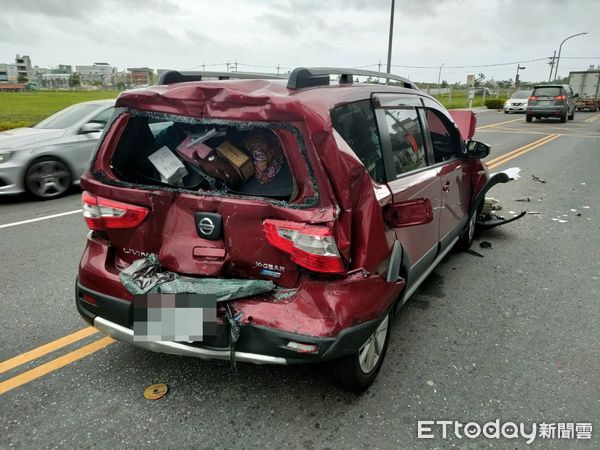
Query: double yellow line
pixel 521 151
pixel 593 118
pixel 53 365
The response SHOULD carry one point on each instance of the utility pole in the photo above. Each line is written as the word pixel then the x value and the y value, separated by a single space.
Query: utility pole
pixel 236 65
pixel 278 67
pixel 379 70
pixel 551 65
pixel 227 66
pixel 389 56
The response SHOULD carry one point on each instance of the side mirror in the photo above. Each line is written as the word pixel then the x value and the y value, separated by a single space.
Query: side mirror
pixel 477 150
pixel 91 127
pixel 575 95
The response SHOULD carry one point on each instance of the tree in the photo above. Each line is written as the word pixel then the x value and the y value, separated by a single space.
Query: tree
pixel 444 84
pixel 479 80
pixel 22 78
pixel 74 80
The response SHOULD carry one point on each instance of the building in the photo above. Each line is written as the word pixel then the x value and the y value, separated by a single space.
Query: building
pixel 55 80
pixel 98 73
pixel 8 73
pixel 24 69
pixel 140 76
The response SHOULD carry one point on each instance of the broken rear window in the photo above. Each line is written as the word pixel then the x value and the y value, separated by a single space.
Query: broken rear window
pixel 222 156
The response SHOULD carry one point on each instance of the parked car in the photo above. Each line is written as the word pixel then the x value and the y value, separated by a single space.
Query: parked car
pixel 47 158
pixel 551 101
pixel 517 102
pixel 352 196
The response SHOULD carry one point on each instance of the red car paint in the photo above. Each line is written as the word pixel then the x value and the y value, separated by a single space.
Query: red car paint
pixel 349 202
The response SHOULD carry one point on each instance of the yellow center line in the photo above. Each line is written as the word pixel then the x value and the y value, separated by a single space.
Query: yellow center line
pixel 496 124
pixel 46 348
pixel 593 118
pixel 55 364
pixel 513 155
pixel 517 150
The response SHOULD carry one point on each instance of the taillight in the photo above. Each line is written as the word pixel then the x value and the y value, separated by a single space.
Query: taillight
pixel 102 213
pixel 533 98
pixel 559 97
pixel 310 246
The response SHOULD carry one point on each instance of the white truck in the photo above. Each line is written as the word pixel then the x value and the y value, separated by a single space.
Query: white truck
pixel 586 84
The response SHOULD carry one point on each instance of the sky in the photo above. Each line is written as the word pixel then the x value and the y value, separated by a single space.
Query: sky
pixel 260 35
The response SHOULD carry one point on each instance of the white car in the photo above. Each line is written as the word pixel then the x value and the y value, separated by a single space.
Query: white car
pixel 517 102
pixel 46 159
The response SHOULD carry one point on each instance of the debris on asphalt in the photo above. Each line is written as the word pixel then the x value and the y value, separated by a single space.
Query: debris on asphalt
pixel 474 253
pixel 490 204
pixel 533 212
pixel 513 173
pixel 523 199
pixel 559 220
pixel 573 210
pixel 485 244
pixel 486 222
pixel 578 214
pixel 156 391
pixel 583 184
pixel 585 207
pixel 538 178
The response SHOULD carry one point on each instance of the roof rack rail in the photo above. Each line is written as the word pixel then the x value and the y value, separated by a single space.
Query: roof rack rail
pixel 303 77
pixel 175 76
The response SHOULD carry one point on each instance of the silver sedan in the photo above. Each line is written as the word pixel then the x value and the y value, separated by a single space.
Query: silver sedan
pixel 46 159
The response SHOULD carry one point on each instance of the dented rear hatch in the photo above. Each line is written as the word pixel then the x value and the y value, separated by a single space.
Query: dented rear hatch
pixel 207 222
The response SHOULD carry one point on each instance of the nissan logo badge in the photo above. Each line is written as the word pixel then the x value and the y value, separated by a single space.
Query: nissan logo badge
pixel 206 226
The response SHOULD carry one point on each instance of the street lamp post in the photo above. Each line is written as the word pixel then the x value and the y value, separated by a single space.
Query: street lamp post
pixel 560 48
pixel 389 58
pixel 519 67
pixel 440 74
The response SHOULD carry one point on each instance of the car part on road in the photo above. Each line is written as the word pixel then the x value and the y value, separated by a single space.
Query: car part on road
pixel 474 253
pixel 492 221
pixel 47 178
pixel 485 244
pixel 538 179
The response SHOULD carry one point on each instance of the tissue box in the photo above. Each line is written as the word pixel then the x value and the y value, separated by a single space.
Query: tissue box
pixel 240 161
pixel 169 166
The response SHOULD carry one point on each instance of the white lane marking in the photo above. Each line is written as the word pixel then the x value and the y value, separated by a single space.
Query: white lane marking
pixel 37 219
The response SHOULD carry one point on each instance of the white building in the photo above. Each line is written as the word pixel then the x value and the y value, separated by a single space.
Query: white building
pixel 8 73
pixel 24 68
pixel 102 73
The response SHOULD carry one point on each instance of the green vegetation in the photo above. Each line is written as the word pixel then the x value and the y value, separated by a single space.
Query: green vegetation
pixel 23 109
pixel 460 99
pixel 494 103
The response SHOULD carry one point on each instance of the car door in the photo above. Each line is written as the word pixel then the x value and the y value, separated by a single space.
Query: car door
pixel 445 146
pixel 415 186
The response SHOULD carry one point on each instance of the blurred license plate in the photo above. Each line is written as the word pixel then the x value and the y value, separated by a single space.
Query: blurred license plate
pixel 174 317
pixel 545 102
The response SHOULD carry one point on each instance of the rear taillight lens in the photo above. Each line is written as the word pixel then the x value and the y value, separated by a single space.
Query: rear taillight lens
pixel 310 246
pixel 559 97
pixel 533 98
pixel 102 213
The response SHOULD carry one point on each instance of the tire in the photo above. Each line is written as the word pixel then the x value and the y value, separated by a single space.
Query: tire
pixel 47 178
pixel 572 116
pixel 505 111
pixel 563 117
pixel 356 372
pixel 528 118
pixel 466 238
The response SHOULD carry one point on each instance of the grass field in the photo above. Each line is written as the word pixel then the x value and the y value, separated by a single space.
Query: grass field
pixel 22 109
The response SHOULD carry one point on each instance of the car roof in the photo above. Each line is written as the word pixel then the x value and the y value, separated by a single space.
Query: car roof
pixel 193 97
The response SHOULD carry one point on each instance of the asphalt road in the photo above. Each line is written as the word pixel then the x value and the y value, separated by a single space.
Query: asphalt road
pixel 512 336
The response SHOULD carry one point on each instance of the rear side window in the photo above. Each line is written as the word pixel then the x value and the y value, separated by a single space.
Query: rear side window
pixel 355 122
pixel 546 91
pixel 445 141
pixel 408 151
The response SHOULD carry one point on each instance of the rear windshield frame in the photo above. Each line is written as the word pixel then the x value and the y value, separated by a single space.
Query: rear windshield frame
pixel 237 124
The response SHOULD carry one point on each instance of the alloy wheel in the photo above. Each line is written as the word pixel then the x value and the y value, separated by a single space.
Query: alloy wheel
pixel 48 178
pixel 370 352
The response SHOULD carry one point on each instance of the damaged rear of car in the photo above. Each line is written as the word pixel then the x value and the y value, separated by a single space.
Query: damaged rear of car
pixel 228 185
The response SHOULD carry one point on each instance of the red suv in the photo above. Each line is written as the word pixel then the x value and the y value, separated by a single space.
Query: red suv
pixel 324 205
